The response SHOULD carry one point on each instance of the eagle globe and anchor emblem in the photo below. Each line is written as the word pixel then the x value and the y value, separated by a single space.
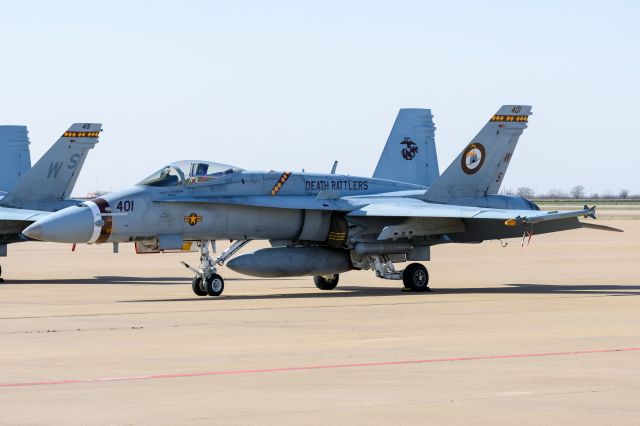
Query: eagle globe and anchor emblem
pixel 472 158
pixel 410 150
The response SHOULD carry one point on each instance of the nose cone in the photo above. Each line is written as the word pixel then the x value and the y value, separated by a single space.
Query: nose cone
pixel 71 225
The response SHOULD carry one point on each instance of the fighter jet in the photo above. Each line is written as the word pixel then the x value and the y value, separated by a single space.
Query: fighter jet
pixel 322 225
pixel 29 193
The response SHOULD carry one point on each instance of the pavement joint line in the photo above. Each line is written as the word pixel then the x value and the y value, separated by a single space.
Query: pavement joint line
pixel 311 367
pixel 276 308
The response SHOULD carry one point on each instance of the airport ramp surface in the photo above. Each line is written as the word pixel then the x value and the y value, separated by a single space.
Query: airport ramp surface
pixel 541 334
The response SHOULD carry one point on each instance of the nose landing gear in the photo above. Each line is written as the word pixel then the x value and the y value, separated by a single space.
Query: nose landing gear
pixel 197 287
pixel 213 284
pixel 207 282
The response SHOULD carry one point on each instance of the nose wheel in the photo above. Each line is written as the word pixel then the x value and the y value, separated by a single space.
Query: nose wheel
pixel 197 287
pixel 211 285
pixel 214 285
pixel 207 281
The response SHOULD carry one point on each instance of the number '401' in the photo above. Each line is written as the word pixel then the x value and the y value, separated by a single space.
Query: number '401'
pixel 125 206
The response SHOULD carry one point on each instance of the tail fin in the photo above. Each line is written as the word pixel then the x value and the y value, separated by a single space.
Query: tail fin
pixel 410 153
pixel 15 159
pixel 481 166
pixel 53 177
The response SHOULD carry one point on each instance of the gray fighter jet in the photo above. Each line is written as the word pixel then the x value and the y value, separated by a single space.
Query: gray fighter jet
pixel 30 193
pixel 322 225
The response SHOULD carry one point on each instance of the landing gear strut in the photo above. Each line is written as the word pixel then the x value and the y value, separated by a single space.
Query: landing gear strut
pixel 207 281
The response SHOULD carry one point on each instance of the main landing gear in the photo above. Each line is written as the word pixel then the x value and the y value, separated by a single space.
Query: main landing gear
pixel 326 282
pixel 414 277
pixel 207 282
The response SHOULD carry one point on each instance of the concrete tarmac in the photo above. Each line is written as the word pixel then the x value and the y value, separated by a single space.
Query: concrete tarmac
pixel 548 333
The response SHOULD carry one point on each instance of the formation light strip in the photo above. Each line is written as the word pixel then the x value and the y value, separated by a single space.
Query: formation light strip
pixel 510 118
pixel 69 134
pixel 280 183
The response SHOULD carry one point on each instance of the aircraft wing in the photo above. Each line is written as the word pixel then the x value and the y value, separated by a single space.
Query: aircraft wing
pixel 484 223
pixel 13 221
pixel 406 207
pixel 416 208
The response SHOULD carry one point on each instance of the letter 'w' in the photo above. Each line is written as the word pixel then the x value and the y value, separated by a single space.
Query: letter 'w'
pixel 54 169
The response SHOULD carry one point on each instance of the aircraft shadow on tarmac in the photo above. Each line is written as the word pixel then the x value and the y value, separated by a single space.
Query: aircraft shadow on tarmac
pixel 353 291
pixel 116 280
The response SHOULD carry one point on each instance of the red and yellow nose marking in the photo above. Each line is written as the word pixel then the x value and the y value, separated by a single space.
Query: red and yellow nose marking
pixel 101 213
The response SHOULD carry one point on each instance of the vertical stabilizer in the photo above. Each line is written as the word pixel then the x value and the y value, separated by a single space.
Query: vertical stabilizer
pixel 53 177
pixel 15 159
pixel 480 168
pixel 410 153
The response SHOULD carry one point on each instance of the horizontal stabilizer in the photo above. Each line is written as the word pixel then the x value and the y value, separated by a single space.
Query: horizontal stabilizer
pixel 600 227
pixel 22 215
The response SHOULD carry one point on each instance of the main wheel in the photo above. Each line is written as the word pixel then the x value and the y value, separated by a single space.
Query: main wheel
pixel 214 285
pixel 416 277
pixel 324 282
pixel 196 286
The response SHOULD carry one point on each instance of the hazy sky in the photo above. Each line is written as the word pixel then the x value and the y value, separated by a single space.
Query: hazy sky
pixel 292 85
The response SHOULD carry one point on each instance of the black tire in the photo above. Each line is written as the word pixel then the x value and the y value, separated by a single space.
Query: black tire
pixel 324 283
pixel 416 277
pixel 196 286
pixel 214 284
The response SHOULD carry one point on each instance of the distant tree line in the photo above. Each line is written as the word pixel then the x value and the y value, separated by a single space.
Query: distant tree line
pixel 577 192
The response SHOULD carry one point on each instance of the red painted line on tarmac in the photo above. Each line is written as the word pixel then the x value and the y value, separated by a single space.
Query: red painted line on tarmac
pixel 310 367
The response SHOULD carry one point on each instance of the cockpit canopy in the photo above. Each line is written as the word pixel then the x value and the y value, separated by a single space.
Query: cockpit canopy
pixel 188 173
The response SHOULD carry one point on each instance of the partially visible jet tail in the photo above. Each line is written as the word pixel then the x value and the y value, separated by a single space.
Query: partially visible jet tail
pixel 410 153
pixel 53 177
pixel 480 168
pixel 15 159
